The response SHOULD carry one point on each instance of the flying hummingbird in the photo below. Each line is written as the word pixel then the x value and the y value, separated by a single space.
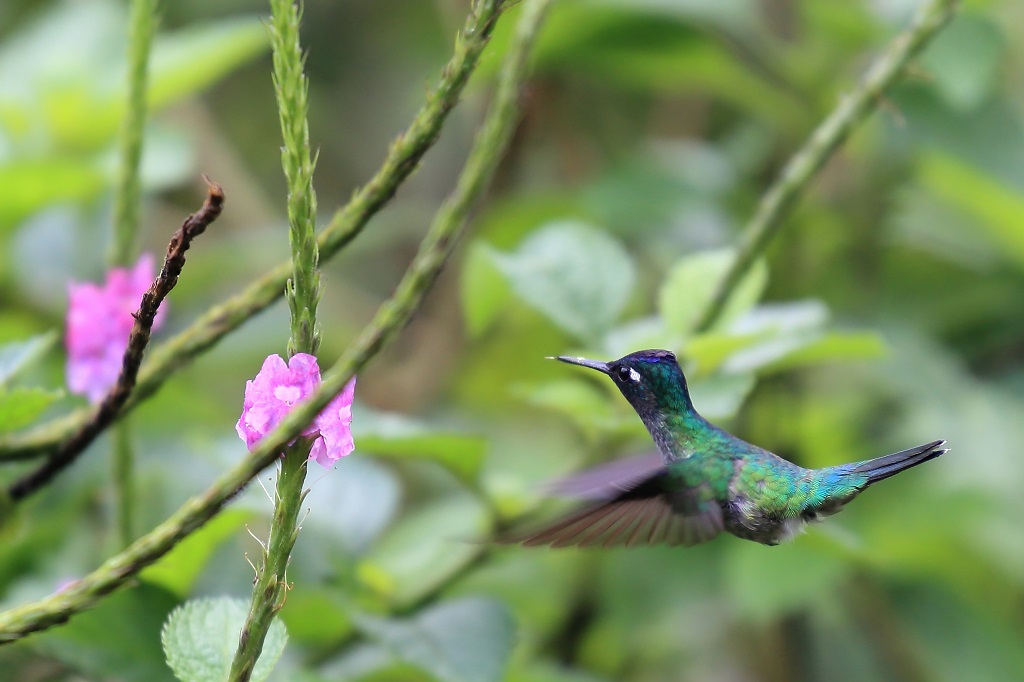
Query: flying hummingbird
pixel 706 480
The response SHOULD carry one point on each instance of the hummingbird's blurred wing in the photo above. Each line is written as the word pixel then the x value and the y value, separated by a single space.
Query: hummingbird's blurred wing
pixel 608 480
pixel 649 512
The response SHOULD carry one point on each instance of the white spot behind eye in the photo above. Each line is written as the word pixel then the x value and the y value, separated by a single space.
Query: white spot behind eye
pixel 634 375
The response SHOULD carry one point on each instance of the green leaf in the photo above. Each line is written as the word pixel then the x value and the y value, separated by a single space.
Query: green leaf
pixel 116 639
pixel 425 546
pixel 354 503
pixel 32 184
pixel 766 583
pixel 832 347
pixel 574 274
pixel 20 406
pixel 999 210
pixel 647 332
pixel 581 401
pixel 707 352
pixel 692 283
pixel 720 396
pixel 186 61
pixel 200 638
pixel 178 570
pixel 963 60
pixel 484 290
pixel 15 357
pixel 466 640
pixel 392 435
pixel 657 45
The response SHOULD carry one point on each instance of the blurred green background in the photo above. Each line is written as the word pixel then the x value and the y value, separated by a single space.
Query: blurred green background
pixel 888 312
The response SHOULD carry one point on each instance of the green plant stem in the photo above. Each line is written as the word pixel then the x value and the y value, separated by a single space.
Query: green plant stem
pixel 402 159
pixel 303 293
pixel 487 151
pixel 142 26
pixel 270 591
pixel 124 483
pixel 853 109
pixel 292 91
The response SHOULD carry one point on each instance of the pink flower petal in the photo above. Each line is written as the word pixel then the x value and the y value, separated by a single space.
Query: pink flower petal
pixel 99 322
pixel 274 393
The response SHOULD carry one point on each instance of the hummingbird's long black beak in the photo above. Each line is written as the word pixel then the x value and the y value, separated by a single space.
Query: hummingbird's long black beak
pixel 583 362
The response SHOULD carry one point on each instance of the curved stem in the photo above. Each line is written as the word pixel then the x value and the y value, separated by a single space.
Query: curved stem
pixel 853 109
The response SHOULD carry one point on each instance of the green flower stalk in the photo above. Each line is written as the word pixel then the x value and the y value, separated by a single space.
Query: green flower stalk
pixel 142 26
pixel 303 294
pixel 292 89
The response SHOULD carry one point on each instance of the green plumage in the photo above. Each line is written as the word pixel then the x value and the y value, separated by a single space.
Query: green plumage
pixel 705 479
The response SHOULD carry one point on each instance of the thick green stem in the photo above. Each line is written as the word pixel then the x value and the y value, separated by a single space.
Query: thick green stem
pixel 853 109
pixel 292 90
pixel 390 318
pixel 402 159
pixel 303 293
pixel 270 591
pixel 142 25
pixel 124 483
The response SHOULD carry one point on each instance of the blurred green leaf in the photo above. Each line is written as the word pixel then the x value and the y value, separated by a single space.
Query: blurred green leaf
pixel 354 502
pixel 22 405
pixel 425 546
pixel 393 435
pixel 647 332
pixel 32 184
pixel 769 582
pixel 178 570
pixel 999 209
pixel 484 290
pixel 316 615
pixel 720 396
pixel 575 274
pixel 189 59
pixel 463 640
pixel 653 46
pixel 707 352
pixel 692 282
pixel 581 401
pixel 937 620
pixel 17 356
pixel 780 318
pixel 963 61
pixel 118 638
pixel 796 350
pixel 200 638
pixel 82 98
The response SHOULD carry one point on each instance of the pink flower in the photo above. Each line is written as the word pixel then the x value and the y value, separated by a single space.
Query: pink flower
pixel 335 426
pixel 278 388
pixel 98 325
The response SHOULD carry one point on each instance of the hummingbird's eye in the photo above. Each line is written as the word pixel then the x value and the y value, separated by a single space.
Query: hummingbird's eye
pixel 625 373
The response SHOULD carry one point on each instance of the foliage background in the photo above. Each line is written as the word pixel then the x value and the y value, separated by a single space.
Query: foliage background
pixel 893 315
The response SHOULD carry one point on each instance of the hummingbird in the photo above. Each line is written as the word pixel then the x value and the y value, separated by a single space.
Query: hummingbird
pixel 706 480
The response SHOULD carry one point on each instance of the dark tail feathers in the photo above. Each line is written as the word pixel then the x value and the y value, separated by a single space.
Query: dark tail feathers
pixel 888 465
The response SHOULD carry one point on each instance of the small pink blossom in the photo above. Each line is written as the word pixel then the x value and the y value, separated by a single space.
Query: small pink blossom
pixel 335 426
pixel 99 323
pixel 278 388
